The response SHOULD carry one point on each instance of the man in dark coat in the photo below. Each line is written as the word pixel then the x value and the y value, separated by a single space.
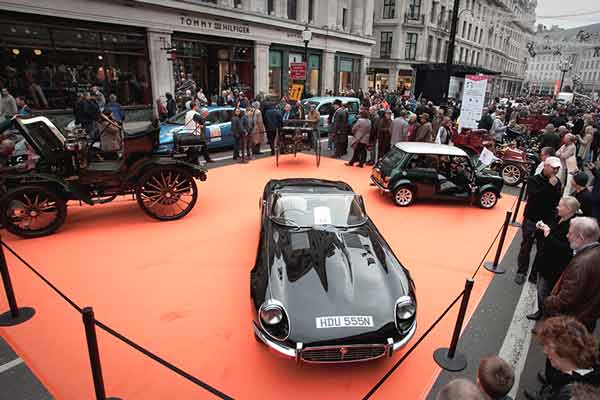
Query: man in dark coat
pixel 577 292
pixel 543 193
pixel 384 133
pixel 486 120
pixel 550 138
pixel 339 129
pixel 171 105
pixel 273 121
pixel 582 194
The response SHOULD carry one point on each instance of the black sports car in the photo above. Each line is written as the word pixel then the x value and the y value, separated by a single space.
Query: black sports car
pixel 326 286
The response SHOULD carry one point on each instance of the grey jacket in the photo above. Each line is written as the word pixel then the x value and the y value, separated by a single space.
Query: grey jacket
pixel 361 130
pixel 399 130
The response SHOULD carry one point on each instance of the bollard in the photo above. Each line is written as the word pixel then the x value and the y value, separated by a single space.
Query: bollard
pixel 448 358
pixel 493 266
pixel 16 315
pixel 516 214
pixel 92 344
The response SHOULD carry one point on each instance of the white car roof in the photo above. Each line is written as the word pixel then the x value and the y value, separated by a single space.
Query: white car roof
pixel 430 148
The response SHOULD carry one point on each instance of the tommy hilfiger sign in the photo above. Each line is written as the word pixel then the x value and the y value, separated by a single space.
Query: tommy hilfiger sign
pixel 214 25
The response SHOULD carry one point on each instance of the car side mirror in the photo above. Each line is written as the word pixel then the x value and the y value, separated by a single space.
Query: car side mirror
pixel 361 201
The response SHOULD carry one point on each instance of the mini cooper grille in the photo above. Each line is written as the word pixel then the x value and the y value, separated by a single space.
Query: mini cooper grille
pixel 343 353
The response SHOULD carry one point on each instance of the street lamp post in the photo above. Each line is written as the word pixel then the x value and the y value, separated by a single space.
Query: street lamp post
pixel 564 66
pixel 306 36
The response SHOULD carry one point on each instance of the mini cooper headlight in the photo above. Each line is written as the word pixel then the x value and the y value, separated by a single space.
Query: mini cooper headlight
pixel 405 313
pixel 271 314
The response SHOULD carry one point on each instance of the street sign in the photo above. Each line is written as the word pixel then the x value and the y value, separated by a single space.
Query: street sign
pixel 295 92
pixel 298 71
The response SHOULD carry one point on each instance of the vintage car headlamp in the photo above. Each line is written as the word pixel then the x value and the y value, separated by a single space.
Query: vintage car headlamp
pixel 274 319
pixel 271 314
pixel 405 313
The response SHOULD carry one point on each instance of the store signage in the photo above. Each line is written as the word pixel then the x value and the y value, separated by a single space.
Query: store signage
pixel 472 100
pixel 556 87
pixel 214 25
pixel 295 92
pixel 298 71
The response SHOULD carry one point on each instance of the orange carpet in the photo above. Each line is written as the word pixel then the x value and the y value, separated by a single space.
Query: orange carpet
pixel 181 289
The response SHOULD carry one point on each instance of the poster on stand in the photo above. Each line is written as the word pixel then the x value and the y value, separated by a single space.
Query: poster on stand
pixel 472 100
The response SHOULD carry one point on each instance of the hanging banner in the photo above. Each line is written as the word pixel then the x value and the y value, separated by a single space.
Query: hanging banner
pixel 472 100
pixel 295 92
pixel 556 87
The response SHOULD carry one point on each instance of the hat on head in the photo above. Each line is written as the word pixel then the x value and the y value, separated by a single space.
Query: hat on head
pixel 581 178
pixel 554 162
pixel 388 111
pixel 337 102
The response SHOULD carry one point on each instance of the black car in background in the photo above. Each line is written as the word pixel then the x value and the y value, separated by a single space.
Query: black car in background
pixel 326 286
pixel 414 170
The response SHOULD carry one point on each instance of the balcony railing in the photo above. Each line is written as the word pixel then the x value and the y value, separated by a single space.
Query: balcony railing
pixel 418 19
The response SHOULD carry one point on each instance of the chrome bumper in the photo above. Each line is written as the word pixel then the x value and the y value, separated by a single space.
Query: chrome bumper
pixel 379 185
pixel 296 353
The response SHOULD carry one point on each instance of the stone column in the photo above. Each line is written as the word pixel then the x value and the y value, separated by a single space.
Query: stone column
pixel 281 8
pixel 261 67
pixel 393 78
pixel 225 3
pixel 328 71
pixel 358 16
pixel 331 11
pixel 368 17
pixel 364 78
pixel 161 69
pixel 302 11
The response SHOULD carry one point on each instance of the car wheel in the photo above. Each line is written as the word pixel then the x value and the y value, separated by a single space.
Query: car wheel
pixel 404 196
pixel 166 193
pixel 488 199
pixel 32 211
pixel 512 174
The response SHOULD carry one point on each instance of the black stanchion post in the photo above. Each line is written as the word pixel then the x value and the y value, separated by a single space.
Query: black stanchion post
pixel 16 315
pixel 92 344
pixel 493 266
pixel 448 358
pixel 516 214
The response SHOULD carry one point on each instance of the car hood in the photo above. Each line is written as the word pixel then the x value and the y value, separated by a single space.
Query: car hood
pixel 330 273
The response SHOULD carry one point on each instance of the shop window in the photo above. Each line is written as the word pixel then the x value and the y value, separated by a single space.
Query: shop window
pixel 410 51
pixel 347 76
pixel 314 66
pixel 275 72
pixel 50 65
pixel 292 9
pixel 389 9
pixel 385 46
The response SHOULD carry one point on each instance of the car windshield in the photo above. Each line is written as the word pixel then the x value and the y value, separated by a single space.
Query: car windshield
pixel 301 210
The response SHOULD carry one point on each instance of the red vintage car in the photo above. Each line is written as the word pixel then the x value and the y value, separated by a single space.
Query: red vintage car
pixel 534 123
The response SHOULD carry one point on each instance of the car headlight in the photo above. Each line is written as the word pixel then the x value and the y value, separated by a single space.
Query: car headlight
pixel 271 314
pixel 405 313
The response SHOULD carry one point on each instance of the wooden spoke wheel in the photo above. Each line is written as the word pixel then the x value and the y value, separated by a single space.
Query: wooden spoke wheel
pixel 166 193
pixel 33 211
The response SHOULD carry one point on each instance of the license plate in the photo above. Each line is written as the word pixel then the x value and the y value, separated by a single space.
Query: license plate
pixel 365 321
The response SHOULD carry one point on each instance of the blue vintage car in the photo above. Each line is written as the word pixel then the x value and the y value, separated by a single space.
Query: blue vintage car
pixel 325 108
pixel 217 129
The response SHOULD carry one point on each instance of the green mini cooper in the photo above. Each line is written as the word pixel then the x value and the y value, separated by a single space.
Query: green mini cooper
pixel 413 170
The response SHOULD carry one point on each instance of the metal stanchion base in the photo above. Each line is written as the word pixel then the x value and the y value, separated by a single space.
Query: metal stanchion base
pixel 515 224
pixel 25 314
pixel 458 363
pixel 497 269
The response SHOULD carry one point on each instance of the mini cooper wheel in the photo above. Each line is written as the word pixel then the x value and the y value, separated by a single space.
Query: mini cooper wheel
pixel 404 196
pixel 166 193
pixel 32 211
pixel 512 174
pixel 487 199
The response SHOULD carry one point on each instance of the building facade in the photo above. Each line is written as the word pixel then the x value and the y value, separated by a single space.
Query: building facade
pixel 141 49
pixel 568 55
pixel 491 34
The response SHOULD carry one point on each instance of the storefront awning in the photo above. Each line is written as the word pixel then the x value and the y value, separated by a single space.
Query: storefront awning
pixel 458 70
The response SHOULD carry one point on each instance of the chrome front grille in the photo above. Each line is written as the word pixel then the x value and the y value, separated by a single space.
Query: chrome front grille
pixel 334 354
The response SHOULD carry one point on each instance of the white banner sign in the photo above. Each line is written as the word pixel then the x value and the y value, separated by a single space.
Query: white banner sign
pixel 472 100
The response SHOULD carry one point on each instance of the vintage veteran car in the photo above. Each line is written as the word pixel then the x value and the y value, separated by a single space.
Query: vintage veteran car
pixel 43 169
pixel 413 170
pixel 217 130
pixel 326 286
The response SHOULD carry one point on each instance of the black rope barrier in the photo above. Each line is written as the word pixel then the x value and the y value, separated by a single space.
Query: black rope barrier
pixel 15 315
pixel 412 348
pixel 519 200
pixel 39 275
pixel 487 252
pixel 494 266
pixel 162 361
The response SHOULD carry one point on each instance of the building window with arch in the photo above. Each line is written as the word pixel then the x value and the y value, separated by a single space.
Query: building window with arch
pixel 389 9
pixel 385 46
pixel 410 51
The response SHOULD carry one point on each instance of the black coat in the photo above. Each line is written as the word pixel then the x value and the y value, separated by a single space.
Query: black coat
pixel 339 125
pixel 550 139
pixel 542 199
pixel 586 202
pixel 596 194
pixel 273 119
pixel 171 107
pixel 564 390
pixel 554 252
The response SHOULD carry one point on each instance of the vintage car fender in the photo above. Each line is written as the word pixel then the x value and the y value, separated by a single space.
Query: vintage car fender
pixel 488 186
pixel 69 190
pixel 140 166
pixel 402 182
